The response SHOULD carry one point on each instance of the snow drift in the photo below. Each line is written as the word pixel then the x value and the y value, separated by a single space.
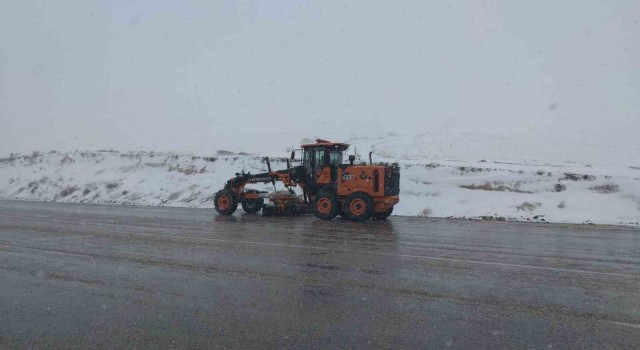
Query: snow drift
pixel 440 177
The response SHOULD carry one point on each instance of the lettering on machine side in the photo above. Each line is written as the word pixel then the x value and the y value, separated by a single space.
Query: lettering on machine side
pixel 347 177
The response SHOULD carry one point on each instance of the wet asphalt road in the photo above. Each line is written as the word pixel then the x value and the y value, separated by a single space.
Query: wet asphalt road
pixel 90 276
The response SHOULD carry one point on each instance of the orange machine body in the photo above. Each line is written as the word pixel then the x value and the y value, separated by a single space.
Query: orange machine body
pixel 330 187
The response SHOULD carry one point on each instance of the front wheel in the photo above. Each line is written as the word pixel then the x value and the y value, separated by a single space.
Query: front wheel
pixel 325 205
pixel 225 202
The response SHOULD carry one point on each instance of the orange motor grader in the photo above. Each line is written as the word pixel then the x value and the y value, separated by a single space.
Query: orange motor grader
pixel 329 187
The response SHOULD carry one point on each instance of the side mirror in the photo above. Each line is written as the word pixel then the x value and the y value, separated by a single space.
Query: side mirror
pixel 293 155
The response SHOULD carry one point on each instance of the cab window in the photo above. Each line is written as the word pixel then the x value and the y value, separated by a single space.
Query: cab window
pixel 307 159
pixel 319 158
pixel 335 159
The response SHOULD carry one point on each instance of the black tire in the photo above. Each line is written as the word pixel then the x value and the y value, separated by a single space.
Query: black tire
pixel 359 205
pixel 326 205
pixel 384 215
pixel 225 202
pixel 252 206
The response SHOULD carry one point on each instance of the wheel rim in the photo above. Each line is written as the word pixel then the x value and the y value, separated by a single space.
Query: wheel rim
pixel 358 207
pixel 223 202
pixel 324 205
pixel 251 205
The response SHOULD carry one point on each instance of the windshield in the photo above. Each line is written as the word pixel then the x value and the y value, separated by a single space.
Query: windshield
pixel 335 158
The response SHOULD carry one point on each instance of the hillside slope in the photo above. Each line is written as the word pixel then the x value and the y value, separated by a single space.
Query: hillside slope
pixel 438 182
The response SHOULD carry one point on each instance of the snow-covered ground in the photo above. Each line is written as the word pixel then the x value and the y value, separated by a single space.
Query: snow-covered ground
pixel 443 175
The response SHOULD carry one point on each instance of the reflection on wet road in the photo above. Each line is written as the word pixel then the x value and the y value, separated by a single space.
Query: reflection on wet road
pixel 77 276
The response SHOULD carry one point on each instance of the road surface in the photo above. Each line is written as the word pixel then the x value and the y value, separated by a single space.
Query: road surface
pixel 93 276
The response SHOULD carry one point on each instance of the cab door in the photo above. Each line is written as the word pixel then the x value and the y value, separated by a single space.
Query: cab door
pixel 318 163
pixel 313 162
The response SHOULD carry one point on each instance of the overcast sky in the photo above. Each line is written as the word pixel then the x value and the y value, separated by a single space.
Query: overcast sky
pixel 199 75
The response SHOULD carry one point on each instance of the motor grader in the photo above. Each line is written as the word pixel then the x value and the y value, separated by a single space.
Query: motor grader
pixel 329 188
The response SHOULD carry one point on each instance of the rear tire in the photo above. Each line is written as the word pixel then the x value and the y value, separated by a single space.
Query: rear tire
pixel 326 205
pixel 225 202
pixel 359 206
pixel 252 206
pixel 383 215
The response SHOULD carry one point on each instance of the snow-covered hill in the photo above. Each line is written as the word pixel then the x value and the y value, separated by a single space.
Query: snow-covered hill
pixel 448 175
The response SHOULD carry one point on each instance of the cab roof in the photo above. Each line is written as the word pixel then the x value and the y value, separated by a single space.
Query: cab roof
pixel 321 142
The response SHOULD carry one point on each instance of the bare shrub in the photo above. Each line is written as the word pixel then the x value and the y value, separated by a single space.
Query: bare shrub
pixel 33 185
pixel 606 188
pixel 470 169
pixel 495 187
pixel 485 187
pixel 420 194
pixel 68 191
pixel 493 218
pixel 528 207
pixel 112 185
pixel 571 177
pixel 578 177
pixel 187 170
pixel 425 213
pixel 562 205
pixel 173 196
pixel 559 187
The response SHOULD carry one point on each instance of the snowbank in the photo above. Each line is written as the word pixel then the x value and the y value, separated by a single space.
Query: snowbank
pixel 470 184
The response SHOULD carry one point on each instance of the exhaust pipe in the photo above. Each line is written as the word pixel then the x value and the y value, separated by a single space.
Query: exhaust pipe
pixel 370 161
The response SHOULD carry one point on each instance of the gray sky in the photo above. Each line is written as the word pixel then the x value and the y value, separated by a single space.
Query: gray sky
pixel 200 75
